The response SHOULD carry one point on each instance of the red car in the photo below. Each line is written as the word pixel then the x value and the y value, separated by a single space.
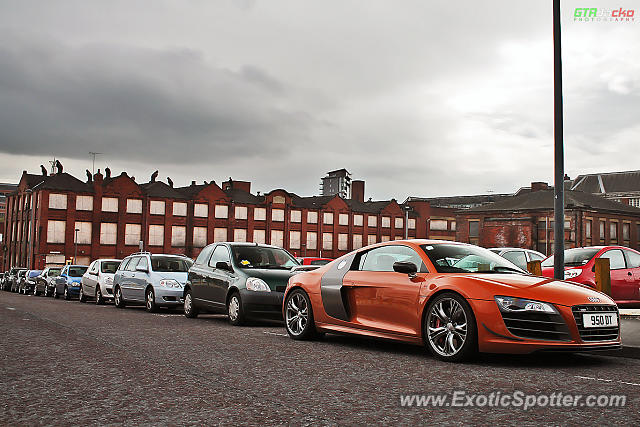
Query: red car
pixel 313 260
pixel 579 266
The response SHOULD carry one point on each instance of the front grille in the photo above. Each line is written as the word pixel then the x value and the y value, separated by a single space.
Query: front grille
pixel 539 326
pixel 596 334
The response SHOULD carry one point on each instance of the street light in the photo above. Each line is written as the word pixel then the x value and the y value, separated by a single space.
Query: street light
pixel 558 238
pixel 75 254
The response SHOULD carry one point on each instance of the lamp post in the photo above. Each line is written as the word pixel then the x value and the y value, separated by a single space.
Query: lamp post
pixel 406 208
pixel 558 238
pixel 75 254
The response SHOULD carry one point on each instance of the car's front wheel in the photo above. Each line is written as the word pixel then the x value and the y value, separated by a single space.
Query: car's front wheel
pixel 190 310
pixel 235 310
pixel 99 297
pixel 151 301
pixel 66 293
pixel 117 298
pixel 450 328
pixel 298 316
pixel 81 296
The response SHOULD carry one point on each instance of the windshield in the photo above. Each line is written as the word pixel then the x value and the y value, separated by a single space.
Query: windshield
pixel 109 266
pixel 76 271
pixel 453 258
pixel 53 272
pixel 166 264
pixel 262 257
pixel 35 273
pixel 574 257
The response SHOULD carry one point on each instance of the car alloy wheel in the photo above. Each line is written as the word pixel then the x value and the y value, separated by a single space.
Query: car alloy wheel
pixel 450 328
pixel 234 310
pixel 81 296
pixel 298 316
pixel 66 293
pixel 99 299
pixel 117 298
pixel 151 302
pixel 189 310
pixel 35 291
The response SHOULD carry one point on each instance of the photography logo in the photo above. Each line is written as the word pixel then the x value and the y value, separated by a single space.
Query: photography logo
pixel 599 14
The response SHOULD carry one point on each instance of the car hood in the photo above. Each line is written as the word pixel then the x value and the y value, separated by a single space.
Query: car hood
pixel 74 279
pixel 276 279
pixel 561 292
pixel 180 277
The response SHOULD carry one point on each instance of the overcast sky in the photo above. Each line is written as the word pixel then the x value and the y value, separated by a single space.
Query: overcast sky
pixel 421 98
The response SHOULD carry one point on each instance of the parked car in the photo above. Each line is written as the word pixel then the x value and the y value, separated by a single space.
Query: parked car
pixel 45 283
pixel 454 298
pixel 97 281
pixel 244 280
pixel 68 283
pixel 3 280
pixel 313 260
pixel 17 279
pixel 150 279
pixel 29 282
pixel 579 266
pixel 519 257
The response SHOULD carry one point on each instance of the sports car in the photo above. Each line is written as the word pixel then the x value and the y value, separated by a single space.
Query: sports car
pixel 456 299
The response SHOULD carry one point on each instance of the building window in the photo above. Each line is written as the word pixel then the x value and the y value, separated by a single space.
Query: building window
pixel 219 234
pixel 358 220
pixel 109 204
pixel 312 240
pixel 156 207
pixel 277 238
pixel 178 235
pixel 279 200
pixel 327 241
pixel 57 201
pixel 179 209
pixel 474 232
pixel 55 231
pixel 626 232
pixel 294 239
pixel 199 237
pixel 260 214
pixel 132 234
pixel 134 206
pixel 277 215
pixel 83 235
pixel 453 226
pixel 635 202
pixel 385 238
pixel 108 233
pixel 371 239
pixel 438 225
pixel 602 227
pixel 296 216
pixel 240 235
pixel 411 224
pixel 201 210
pixel 386 222
pixel 312 217
pixel 343 241
pixel 156 235
pixel 259 236
pixel 54 259
pixel 613 231
pixel 84 203
pixel 343 219
pixel 327 218
pixel 399 222
pixel 587 229
pixel 240 212
pixel 357 241
pixel 222 211
pixel 372 221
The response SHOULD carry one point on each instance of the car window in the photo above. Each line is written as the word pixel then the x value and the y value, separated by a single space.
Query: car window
pixel 383 258
pixel 133 263
pixel 616 259
pixel 220 253
pixel 204 255
pixel 535 256
pixel 170 264
pixel 94 267
pixel 77 271
pixel 633 259
pixel 53 272
pixel 109 267
pixel 516 257
pixel 143 263
pixel 574 257
pixel 123 264
pixel 320 262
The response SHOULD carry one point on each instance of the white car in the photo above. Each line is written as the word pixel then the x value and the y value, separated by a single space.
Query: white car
pixel 97 282
pixel 518 256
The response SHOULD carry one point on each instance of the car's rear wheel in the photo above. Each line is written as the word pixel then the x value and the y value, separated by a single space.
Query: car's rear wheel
pixel 117 298
pixel 35 291
pixel 190 310
pixel 55 293
pixel 235 310
pixel 99 297
pixel 298 315
pixel 450 328
pixel 151 301
pixel 81 296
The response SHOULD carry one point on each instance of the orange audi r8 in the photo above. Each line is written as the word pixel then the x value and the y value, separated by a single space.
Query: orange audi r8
pixel 454 298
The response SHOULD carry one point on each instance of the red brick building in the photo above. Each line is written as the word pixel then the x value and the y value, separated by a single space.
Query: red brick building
pixel 49 218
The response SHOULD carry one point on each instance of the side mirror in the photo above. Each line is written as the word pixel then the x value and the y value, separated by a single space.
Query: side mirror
pixel 142 269
pixel 223 265
pixel 405 267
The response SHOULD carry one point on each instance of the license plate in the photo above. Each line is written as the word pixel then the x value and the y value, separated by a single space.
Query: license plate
pixel 599 320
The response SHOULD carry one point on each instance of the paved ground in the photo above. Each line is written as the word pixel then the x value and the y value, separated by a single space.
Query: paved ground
pixel 630 330
pixel 64 362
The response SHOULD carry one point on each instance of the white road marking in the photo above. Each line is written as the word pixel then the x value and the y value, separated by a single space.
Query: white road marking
pixel 606 380
pixel 274 333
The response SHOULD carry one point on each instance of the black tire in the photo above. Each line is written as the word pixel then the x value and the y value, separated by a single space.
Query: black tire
pixel 99 297
pixel 55 293
pixel 449 328
pixel 35 291
pixel 66 293
pixel 81 296
pixel 298 316
pixel 150 301
pixel 235 311
pixel 190 310
pixel 118 299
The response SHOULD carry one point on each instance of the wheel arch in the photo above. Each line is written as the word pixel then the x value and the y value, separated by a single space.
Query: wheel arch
pixel 230 291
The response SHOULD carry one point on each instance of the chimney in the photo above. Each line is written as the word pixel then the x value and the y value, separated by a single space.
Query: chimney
pixel 237 185
pixel 357 190
pixel 538 186
pixel 193 183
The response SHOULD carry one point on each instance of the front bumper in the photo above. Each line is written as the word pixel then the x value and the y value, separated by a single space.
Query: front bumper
pixel 168 297
pixel 262 305
pixel 73 290
pixel 495 337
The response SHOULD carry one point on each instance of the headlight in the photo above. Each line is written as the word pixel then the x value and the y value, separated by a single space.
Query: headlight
pixel 258 285
pixel 519 304
pixel 170 283
pixel 571 273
